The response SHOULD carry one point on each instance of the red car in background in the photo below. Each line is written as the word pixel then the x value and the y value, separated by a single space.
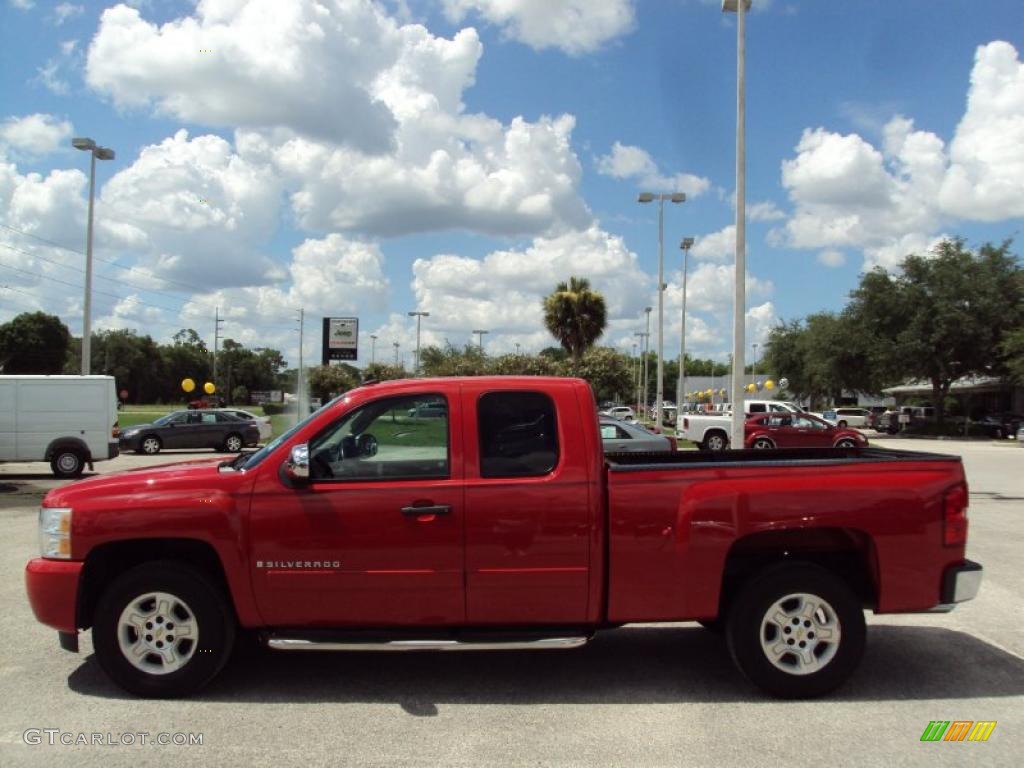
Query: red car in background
pixel 799 430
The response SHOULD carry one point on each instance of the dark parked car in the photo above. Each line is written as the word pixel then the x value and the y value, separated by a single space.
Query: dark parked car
pixel 191 429
pixel 1000 424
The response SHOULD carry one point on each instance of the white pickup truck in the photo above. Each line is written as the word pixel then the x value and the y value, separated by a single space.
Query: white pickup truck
pixel 711 431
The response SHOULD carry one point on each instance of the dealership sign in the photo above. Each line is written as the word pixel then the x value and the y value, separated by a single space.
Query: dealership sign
pixel 341 338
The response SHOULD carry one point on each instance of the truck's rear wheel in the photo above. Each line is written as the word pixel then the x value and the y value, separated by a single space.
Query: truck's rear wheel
pixel 67 462
pixel 162 630
pixel 716 441
pixel 796 631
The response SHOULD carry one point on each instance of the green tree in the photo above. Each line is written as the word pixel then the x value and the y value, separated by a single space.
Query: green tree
pixel 33 342
pixel 608 372
pixel 451 361
pixel 576 316
pixel 327 381
pixel 1012 351
pixel 944 316
pixel 523 365
pixel 384 372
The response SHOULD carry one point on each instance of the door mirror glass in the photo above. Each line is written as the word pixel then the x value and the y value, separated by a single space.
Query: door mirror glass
pixel 297 465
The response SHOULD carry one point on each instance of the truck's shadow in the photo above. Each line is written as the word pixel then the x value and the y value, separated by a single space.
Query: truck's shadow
pixel 632 665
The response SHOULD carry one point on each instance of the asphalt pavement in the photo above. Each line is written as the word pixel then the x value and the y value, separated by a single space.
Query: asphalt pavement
pixel 641 695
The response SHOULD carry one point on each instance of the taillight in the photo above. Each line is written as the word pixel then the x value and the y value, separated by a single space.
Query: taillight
pixel 954 513
pixel 686 424
pixel 115 431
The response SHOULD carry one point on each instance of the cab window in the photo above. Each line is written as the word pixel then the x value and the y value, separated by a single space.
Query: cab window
pixel 518 434
pixel 385 439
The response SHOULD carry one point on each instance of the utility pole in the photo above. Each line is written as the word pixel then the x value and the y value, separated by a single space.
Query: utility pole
pixel 299 381
pixel 480 338
pixel 419 316
pixel 218 321
pixel 373 347
pixel 395 345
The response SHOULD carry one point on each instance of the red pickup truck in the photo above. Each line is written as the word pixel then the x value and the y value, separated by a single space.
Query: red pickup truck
pixel 481 513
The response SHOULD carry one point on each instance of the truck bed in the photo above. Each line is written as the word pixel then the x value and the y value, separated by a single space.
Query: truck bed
pixel 676 521
pixel 627 462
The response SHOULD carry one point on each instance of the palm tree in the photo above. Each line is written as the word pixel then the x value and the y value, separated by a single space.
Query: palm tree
pixel 576 316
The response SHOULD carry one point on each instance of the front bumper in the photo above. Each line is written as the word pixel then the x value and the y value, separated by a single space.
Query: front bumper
pixel 960 583
pixel 52 587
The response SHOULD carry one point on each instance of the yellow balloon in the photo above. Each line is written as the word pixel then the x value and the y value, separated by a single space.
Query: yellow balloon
pixel 722 391
pixel 769 384
pixel 751 387
pixel 188 385
pixel 710 392
pixel 208 388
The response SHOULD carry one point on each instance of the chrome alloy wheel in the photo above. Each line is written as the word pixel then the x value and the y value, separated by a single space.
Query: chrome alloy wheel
pixel 800 634
pixel 151 445
pixel 157 633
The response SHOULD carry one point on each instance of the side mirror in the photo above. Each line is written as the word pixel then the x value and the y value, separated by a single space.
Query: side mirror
pixel 297 465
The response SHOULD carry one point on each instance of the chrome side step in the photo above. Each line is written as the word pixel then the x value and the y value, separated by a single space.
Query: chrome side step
pixel 283 643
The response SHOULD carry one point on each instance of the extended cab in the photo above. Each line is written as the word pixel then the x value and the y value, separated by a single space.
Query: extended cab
pixel 497 523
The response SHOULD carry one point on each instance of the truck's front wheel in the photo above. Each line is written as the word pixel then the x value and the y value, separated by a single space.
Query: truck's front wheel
pixel 796 630
pixel 162 630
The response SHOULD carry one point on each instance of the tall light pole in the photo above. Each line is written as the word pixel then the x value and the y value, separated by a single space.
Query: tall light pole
pixel 639 374
pixel 754 345
pixel 740 7
pixel 480 338
pixel 95 153
pixel 395 345
pixel 419 316
pixel 685 245
pixel 632 370
pixel 373 348
pixel 647 197
pixel 647 350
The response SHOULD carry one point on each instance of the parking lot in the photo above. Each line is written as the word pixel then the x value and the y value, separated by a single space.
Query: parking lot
pixel 656 696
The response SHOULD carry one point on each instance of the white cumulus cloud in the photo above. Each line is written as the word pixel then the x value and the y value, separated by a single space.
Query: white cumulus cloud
pixel 36 134
pixel 629 162
pixel 573 26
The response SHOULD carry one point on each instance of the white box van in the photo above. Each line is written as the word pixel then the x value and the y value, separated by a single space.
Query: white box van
pixel 69 421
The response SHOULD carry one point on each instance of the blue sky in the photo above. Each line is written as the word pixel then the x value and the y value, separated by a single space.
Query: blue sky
pixel 463 156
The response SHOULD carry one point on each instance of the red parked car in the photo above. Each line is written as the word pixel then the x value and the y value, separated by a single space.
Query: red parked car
pixel 799 430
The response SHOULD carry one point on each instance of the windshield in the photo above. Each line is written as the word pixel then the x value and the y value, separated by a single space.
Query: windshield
pixel 253 460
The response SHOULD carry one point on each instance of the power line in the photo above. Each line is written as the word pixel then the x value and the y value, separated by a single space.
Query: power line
pixel 120 281
pixel 188 286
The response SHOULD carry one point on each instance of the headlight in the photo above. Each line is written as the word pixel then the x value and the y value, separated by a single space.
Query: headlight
pixel 129 433
pixel 55 532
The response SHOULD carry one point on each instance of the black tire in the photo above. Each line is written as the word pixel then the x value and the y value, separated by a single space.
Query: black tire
pixel 716 441
pixel 207 611
pixel 232 443
pixel 151 445
pixel 763 443
pixel 748 629
pixel 67 461
pixel 846 442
